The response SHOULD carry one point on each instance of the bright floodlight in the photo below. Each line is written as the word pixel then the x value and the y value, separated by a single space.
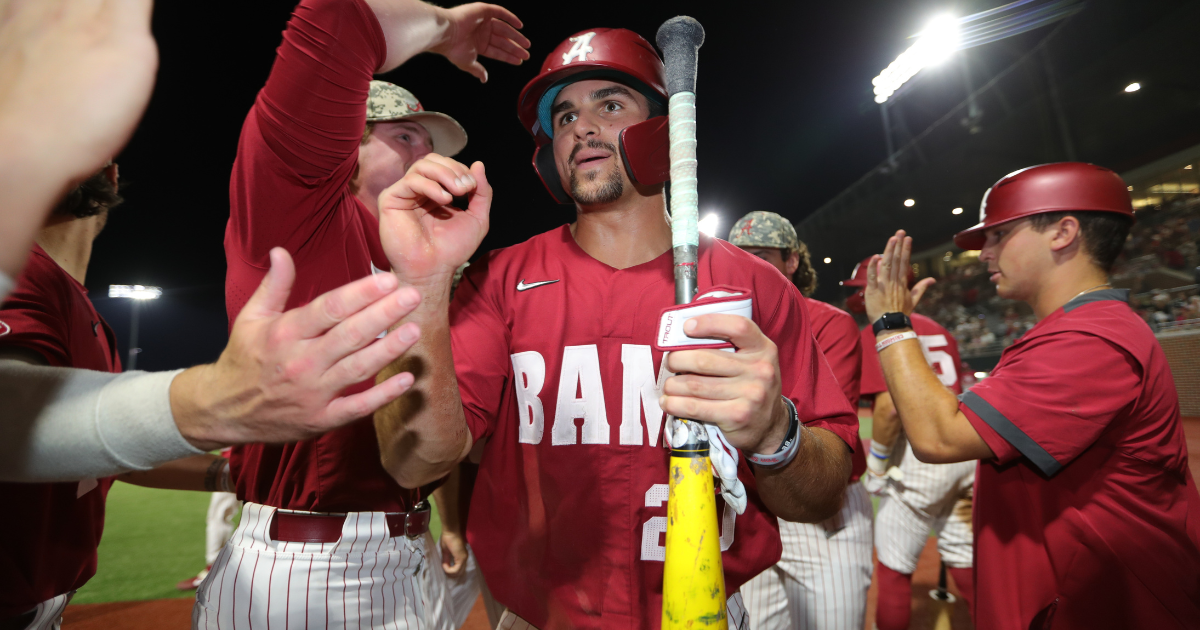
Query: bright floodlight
pixel 134 291
pixel 828 260
pixel 981 375
pixel 956 211
pixel 1133 87
pixel 935 44
pixel 709 224
pixel 908 203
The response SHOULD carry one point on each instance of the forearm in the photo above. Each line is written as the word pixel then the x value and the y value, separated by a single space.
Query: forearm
pixel 409 28
pixel 64 424
pixel 885 422
pixel 453 498
pixel 810 488
pixel 201 473
pixel 423 434
pixel 927 410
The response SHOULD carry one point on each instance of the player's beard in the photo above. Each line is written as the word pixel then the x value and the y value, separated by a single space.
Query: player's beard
pixel 608 190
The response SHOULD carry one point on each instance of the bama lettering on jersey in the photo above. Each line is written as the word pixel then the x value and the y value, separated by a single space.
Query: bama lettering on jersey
pixel 561 382
pixel 580 374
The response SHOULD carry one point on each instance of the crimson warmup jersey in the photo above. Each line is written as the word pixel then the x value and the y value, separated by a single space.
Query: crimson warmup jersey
pixel 52 531
pixel 554 360
pixel 837 337
pixel 938 345
pixel 290 188
pixel 1088 516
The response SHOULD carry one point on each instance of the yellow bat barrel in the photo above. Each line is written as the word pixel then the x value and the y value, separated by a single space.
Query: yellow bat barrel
pixel 693 581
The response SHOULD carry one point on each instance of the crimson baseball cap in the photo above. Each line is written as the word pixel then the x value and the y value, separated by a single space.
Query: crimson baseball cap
pixel 1059 187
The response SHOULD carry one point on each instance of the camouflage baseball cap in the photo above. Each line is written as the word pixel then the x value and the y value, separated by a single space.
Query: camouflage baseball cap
pixel 387 102
pixel 764 229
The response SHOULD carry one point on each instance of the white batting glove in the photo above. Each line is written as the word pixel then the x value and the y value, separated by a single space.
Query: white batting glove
pixel 721 454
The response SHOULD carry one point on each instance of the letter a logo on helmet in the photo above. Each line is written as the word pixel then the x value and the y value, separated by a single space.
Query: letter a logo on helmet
pixel 580 50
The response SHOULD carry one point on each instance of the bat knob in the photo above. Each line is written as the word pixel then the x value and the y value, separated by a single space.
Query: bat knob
pixel 680 39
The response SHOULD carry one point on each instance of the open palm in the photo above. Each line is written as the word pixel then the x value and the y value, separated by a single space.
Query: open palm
pixel 483 30
pixel 425 238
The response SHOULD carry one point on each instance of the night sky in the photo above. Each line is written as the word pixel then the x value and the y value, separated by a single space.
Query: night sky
pixel 786 121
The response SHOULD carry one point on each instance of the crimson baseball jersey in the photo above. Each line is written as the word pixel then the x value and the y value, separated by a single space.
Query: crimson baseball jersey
pixel 837 337
pixel 1088 516
pixel 52 530
pixel 938 345
pixel 290 188
pixel 553 351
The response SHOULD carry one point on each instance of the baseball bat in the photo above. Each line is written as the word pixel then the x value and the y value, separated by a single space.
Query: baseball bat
pixel 693 579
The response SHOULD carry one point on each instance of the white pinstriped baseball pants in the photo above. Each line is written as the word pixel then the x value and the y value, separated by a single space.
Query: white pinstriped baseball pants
pixel 49 613
pixel 367 579
pixel 448 600
pixel 928 497
pixel 821 581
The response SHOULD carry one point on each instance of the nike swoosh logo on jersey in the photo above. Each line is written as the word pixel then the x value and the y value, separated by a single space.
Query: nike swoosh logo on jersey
pixel 521 286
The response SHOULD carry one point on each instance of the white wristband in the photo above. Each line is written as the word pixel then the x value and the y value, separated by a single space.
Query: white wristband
pixel 894 339
pixel 791 444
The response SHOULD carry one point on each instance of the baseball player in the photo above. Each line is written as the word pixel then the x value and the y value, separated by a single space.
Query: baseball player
pixel 327 537
pixel 825 572
pixel 915 497
pixel 546 358
pixel 49 320
pixel 1086 515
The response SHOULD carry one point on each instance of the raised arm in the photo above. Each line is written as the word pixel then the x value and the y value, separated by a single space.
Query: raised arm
pixel 937 431
pixel 299 144
pixel 424 434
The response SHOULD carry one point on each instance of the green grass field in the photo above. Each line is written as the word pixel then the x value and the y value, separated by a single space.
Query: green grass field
pixel 155 538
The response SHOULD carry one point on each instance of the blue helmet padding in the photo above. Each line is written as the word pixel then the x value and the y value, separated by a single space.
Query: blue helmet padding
pixel 547 101
pixel 544 105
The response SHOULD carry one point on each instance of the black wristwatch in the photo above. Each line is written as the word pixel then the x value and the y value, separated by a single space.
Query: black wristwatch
pixel 891 321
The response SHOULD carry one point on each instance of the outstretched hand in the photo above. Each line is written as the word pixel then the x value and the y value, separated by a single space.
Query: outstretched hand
pixel 887 280
pixel 424 237
pixel 283 375
pixel 482 30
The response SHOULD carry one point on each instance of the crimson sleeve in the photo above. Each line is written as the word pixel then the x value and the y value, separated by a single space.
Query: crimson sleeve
pixel 1053 398
pixel 479 339
pixel 31 318
pixel 872 371
pixel 839 340
pixel 807 378
pixel 299 144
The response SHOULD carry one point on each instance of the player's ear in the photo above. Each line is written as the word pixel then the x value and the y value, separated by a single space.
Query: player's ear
pixel 792 263
pixel 1066 232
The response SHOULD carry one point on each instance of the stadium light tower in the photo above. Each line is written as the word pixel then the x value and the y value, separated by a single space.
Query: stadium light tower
pixel 934 45
pixel 136 293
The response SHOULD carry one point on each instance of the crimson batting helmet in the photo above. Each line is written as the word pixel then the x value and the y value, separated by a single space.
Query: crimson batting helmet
pixel 858 278
pixel 602 53
pixel 1059 187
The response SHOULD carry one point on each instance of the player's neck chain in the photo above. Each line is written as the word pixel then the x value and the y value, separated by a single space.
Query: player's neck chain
pixel 1091 289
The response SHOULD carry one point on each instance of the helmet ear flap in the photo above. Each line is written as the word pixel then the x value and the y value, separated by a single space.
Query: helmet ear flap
pixel 543 163
pixel 646 151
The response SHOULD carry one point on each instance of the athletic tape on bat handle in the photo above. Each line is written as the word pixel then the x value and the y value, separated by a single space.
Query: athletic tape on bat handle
pixel 680 38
